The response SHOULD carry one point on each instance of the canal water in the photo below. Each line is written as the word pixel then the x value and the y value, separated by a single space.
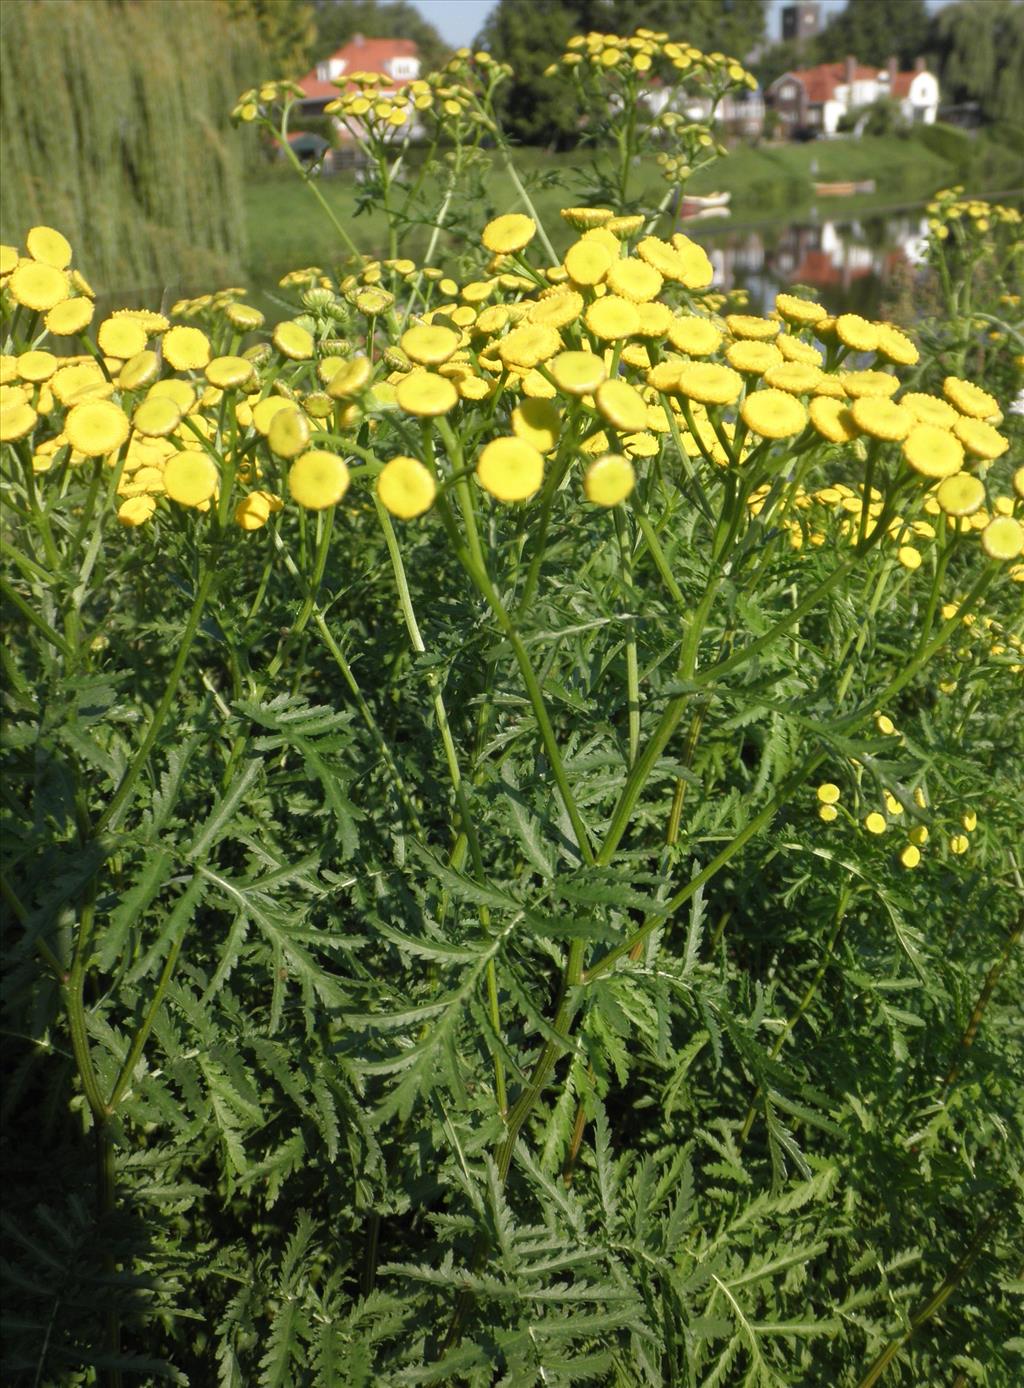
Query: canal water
pixel 864 265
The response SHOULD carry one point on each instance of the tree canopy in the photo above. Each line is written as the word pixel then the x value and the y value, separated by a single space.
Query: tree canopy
pixel 530 36
pixel 874 30
pixel 980 50
pixel 286 32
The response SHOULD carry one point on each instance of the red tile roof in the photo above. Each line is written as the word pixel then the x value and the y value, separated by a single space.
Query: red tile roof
pixel 820 82
pixel 358 55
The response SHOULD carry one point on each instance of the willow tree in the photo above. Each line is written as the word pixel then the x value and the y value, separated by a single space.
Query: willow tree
pixel 114 127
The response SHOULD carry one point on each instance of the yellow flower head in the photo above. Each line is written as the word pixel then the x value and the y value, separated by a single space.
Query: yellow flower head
pixel 288 431
pixel 37 286
pixel 588 262
pixel 799 311
pixel 136 510
pixel 582 218
pixel 538 422
pixel 709 383
pixel 80 381
pixel 121 337
pixel 933 452
pixel 910 856
pixel 36 366
pixel 229 373
pixel 609 480
pixel 612 317
pixel 828 793
pixel 156 417
pixel 509 233
pixel 881 418
pixel 510 469
pixel 555 309
pixel 697 337
pixel 795 349
pixel 980 438
pixel 833 420
pixel 186 349
pixel 751 357
pixel 970 399
pixel 856 332
pixel 17 417
pixel 796 377
pixel 622 405
pixel 696 270
pixel 244 317
pixel 318 479
pixel 874 823
pixel 69 317
pixel 49 247
pixel 869 383
pixel 406 488
pixel 425 394
pixel 896 345
pixel 960 495
pixel 634 280
pixel 773 414
pixel 1003 538
pixel 190 477
pixel 528 344
pixel 349 379
pixel 252 511
pixel 294 341
pixel 430 344
pixel 748 325
pixel 577 373
pixel 929 409
pixel 96 427
pixel 959 844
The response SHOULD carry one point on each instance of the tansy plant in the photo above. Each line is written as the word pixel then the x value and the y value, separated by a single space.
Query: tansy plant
pixel 511 822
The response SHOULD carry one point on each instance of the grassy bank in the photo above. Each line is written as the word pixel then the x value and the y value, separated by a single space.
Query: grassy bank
pixel 287 229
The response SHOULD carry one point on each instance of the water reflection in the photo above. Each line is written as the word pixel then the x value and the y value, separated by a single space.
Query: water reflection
pixel 852 266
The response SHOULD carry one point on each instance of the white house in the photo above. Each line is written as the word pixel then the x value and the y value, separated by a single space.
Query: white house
pixel 818 97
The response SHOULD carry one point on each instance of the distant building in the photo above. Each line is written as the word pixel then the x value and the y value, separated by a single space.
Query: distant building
pixel 817 98
pixel 737 113
pixel 801 21
pixel 395 60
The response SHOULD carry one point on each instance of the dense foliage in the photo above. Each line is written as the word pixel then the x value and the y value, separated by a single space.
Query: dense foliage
pixel 512 814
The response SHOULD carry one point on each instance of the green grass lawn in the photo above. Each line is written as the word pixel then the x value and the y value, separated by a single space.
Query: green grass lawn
pixel 287 228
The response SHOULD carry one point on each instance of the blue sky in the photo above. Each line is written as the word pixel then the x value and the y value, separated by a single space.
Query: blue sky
pixel 458 21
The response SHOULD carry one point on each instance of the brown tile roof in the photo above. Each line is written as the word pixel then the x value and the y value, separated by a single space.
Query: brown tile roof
pixel 820 82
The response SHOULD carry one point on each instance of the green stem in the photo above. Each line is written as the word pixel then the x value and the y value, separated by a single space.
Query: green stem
pixel 140 1038
pixel 470 555
pixel 632 666
pixel 932 1306
pixel 39 622
pixel 296 164
pixel 984 998
pixel 455 775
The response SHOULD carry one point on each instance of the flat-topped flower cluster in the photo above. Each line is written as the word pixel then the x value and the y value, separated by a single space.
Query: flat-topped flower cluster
pixel 617 360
